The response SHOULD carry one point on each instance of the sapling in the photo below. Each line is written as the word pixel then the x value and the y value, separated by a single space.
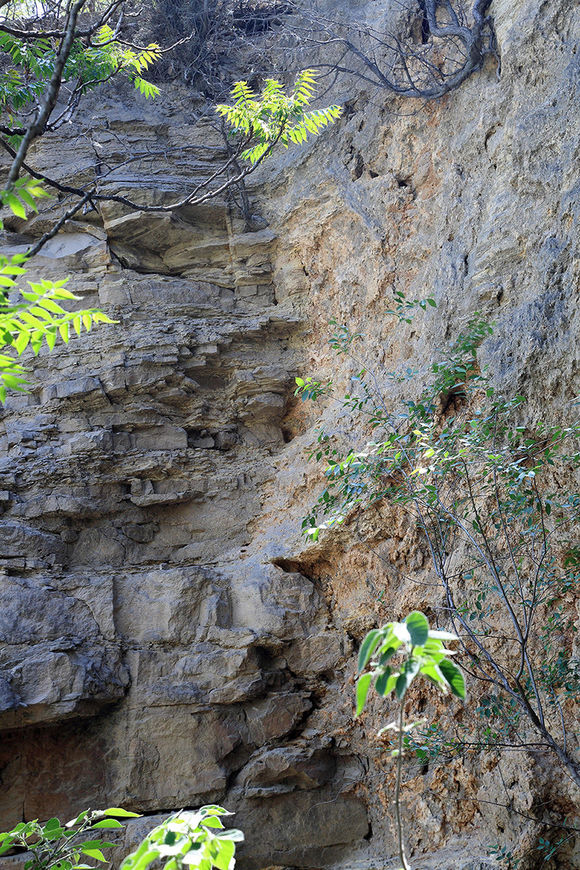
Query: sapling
pixel 495 506
pixel 396 655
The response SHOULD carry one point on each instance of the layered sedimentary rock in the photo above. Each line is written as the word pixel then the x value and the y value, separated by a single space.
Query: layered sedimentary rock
pixel 175 657
pixel 167 636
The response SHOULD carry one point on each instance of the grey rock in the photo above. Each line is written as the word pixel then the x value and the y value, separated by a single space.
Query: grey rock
pixel 152 652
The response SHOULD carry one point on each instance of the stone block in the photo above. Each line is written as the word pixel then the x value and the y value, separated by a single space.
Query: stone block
pixel 275 716
pixel 285 769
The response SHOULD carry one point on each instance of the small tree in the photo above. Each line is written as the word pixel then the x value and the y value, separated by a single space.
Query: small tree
pixel 485 489
pixel 399 653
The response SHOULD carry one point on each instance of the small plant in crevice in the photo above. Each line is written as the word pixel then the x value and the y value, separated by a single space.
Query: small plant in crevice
pixel 496 508
pixel 397 654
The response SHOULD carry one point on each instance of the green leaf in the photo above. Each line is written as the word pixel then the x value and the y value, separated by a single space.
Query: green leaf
pixel 107 823
pixel 387 651
pixel 21 342
pixel 77 820
pixel 94 853
pixel 148 857
pixel 212 822
pixel 6 844
pixel 28 199
pixel 384 685
pixel 120 813
pixel 52 824
pixel 14 205
pixel 418 627
pixel 368 647
pixel 51 306
pixel 232 834
pixel 362 689
pixel 96 844
pixel 433 673
pixel 62 293
pixel 454 677
pixel 442 635
pixel 225 854
pixel 408 673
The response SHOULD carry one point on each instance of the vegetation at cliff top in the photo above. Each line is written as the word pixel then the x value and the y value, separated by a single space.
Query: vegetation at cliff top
pixel 34 73
pixel 53 53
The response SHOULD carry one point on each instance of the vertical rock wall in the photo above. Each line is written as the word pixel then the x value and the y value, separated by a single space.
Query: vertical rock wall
pixel 167 638
pixel 148 659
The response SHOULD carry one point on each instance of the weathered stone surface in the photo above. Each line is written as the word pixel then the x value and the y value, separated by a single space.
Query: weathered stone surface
pixel 276 715
pixel 56 660
pixel 285 769
pixel 168 638
pixel 305 829
pixel 132 476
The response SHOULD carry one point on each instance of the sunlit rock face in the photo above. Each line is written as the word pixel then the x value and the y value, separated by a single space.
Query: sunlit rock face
pixel 167 638
pixel 152 655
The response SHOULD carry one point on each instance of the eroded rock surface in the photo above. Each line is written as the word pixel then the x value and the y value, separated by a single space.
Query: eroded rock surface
pixel 149 658
pixel 167 638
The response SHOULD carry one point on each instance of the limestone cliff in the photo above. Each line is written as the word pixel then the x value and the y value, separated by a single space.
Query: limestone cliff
pixel 168 638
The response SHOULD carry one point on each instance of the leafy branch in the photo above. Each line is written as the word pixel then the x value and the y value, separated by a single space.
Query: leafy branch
pixel 185 839
pixel 275 116
pixel 397 654
pixel 29 318
pixel 60 846
pixel 479 485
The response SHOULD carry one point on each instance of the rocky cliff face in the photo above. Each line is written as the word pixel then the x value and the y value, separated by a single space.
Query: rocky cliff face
pixel 168 638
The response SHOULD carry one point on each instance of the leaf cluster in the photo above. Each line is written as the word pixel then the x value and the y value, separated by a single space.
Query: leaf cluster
pixel 24 192
pixel 34 317
pixel 107 56
pixel 275 116
pixel 405 309
pixel 29 65
pixel 55 846
pixel 188 839
pixel 417 650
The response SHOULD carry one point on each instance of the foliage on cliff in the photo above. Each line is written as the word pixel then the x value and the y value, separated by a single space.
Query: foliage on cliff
pixel 484 491
pixel 185 839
